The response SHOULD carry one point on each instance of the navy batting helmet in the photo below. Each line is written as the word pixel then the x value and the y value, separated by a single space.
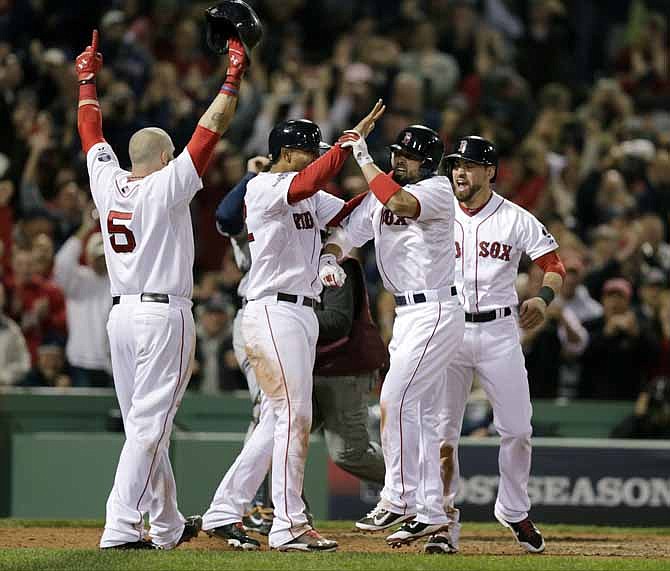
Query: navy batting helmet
pixel 295 134
pixel 420 143
pixel 232 18
pixel 476 150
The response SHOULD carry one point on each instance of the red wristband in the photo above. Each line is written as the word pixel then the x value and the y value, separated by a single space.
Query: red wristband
pixel 87 91
pixel 384 187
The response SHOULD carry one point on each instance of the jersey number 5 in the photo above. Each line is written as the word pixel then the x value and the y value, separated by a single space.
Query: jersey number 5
pixel 115 229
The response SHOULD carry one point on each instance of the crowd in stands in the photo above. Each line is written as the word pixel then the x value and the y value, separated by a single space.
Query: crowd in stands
pixel 576 96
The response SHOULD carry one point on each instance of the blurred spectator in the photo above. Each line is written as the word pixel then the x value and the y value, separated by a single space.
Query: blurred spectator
pixel 14 356
pixel 215 369
pixel 554 345
pixel 574 295
pixel 49 370
pixel 616 360
pixel 36 304
pixel 87 293
pixel 651 418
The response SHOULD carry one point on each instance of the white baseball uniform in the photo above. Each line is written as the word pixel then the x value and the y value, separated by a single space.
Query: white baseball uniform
pixel 415 258
pixel 489 245
pixel 148 240
pixel 280 330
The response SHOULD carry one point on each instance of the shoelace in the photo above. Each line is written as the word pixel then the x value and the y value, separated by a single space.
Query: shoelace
pixel 527 527
pixel 377 510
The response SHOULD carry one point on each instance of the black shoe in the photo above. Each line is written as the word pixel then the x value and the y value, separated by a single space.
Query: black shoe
pixel 439 543
pixel 380 518
pixel 234 534
pixel 258 519
pixel 412 530
pixel 192 528
pixel 525 533
pixel 141 544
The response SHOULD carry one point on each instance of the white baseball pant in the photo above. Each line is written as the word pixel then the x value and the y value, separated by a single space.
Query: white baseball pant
pixel 281 346
pixel 425 339
pixel 152 348
pixel 492 350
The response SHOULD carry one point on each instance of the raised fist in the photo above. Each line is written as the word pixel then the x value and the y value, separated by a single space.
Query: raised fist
pixel 89 62
pixel 237 59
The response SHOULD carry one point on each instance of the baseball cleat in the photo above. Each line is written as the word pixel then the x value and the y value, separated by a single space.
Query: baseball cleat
pixel 311 540
pixel 380 518
pixel 235 536
pixel 259 520
pixel 525 533
pixel 141 544
pixel 439 542
pixel 413 530
pixel 192 528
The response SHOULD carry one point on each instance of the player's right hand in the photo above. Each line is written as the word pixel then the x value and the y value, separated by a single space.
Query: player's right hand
pixel 89 62
pixel 331 273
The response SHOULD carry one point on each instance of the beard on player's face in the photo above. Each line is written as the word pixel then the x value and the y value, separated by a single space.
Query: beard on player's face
pixel 405 169
pixel 468 181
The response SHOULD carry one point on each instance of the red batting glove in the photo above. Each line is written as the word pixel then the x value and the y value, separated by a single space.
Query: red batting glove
pixel 237 61
pixel 89 62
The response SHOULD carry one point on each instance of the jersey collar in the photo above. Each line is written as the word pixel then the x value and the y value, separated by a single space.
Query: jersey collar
pixel 491 204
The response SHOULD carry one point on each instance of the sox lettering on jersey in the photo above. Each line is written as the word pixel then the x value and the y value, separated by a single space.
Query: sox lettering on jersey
pixel 493 249
pixel 390 219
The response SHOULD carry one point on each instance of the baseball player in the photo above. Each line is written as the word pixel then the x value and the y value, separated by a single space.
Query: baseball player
pixel 491 234
pixel 285 211
pixel 148 244
pixel 410 215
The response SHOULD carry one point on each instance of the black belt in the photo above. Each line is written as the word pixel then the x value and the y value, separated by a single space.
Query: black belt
pixel 417 297
pixel 151 297
pixel 485 316
pixel 308 301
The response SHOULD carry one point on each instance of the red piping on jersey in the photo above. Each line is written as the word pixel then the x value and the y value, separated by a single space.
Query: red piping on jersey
pixel 288 432
pixel 402 400
pixel 167 416
pixel 462 258
pixel 250 237
pixel 317 174
pixel 473 211
pixel 201 147
pixel 477 252
pixel 551 262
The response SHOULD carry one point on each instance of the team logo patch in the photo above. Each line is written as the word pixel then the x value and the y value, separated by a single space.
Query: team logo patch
pixel 547 235
pixel 407 138
pixel 462 146
pixel 104 157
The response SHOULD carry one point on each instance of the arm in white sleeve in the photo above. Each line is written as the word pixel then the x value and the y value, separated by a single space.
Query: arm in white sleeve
pixel 66 263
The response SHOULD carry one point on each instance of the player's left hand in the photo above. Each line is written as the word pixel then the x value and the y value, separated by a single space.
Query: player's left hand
pixel 89 62
pixel 532 312
pixel 330 272
pixel 237 59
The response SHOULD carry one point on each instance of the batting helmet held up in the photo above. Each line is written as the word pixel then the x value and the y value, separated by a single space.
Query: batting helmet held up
pixel 476 150
pixel 232 18
pixel 295 134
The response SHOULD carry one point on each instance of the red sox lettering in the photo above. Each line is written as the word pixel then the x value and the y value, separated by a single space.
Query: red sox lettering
pixel 487 249
pixel 303 220
pixel 390 219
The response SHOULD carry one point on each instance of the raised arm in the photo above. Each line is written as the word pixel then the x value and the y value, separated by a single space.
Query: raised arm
pixel 315 176
pixel 216 120
pixel 89 118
